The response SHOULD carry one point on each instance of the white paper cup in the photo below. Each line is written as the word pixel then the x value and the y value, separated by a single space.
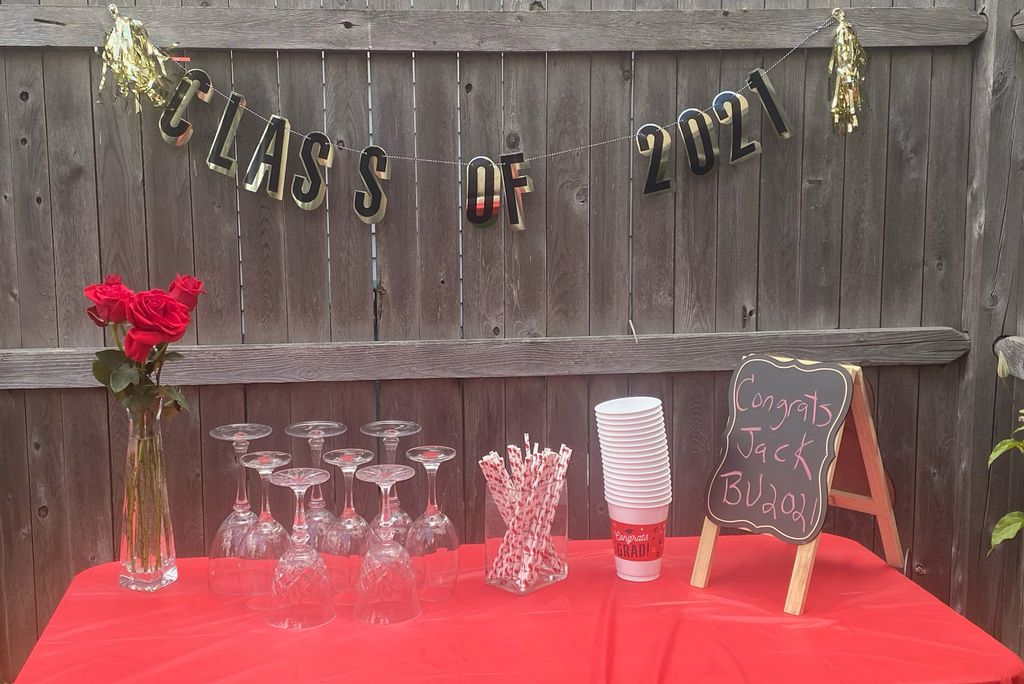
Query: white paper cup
pixel 628 500
pixel 638 539
pixel 638 479
pixel 642 422
pixel 655 433
pixel 644 497
pixel 635 466
pixel 627 406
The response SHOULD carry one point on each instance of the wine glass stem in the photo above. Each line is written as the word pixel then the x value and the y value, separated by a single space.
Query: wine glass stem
pixel 316 446
pixel 265 503
pixel 390 449
pixel 431 487
pixel 300 533
pixel 241 493
pixel 350 508
pixel 384 531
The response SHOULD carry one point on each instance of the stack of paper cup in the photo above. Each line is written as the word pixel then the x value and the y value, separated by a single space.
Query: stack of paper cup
pixel 637 482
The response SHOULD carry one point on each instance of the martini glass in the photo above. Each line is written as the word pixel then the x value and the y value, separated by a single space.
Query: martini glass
pixel 345 541
pixel 224 571
pixel 301 595
pixel 264 542
pixel 315 432
pixel 386 589
pixel 390 431
pixel 433 542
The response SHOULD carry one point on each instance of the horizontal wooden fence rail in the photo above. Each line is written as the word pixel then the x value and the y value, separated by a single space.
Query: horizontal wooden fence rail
pixel 512 357
pixel 488 31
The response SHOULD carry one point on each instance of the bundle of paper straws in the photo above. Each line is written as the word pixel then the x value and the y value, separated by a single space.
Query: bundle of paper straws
pixel 526 495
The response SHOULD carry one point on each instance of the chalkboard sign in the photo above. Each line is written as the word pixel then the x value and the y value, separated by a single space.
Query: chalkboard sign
pixel 784 418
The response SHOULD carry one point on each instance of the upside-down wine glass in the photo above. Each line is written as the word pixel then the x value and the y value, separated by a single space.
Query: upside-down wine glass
pixel 345 541
pixel 386 590
pixel 224 571
pixel 433 542
pixel 315 432
pixel 301 596
pixel 390 431
pixel 264 542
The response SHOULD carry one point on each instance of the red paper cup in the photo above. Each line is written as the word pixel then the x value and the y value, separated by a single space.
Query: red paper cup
pixel 638 538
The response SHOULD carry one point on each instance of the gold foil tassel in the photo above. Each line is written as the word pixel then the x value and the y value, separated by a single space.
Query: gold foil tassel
pixel 846 75
pixel 138 66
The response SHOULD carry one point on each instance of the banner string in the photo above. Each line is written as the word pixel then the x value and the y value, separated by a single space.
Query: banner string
pixel 821 27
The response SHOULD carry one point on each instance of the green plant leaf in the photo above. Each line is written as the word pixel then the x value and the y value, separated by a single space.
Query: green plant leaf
pixel 122 377
pixel 173 356
pixel 1007 528
pixel 1001 448
pixel 175 395
pixel 111 358
pixel 101 373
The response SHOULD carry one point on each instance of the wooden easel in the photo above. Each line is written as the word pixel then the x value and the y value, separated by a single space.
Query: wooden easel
pixel 860 486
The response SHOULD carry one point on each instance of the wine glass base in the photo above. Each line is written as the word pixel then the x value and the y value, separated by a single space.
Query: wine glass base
pixel 436 593
pixel 149 581
pixel 386 612
pixel 301 616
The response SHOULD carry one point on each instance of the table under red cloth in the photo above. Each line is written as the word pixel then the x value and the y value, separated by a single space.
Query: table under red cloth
pixel 864 622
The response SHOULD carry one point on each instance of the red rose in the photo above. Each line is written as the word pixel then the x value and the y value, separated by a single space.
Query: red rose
pixel 156 318
pixel 186 289
pixel 110 300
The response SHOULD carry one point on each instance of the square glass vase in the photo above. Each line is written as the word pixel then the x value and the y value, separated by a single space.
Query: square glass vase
pixel 532 554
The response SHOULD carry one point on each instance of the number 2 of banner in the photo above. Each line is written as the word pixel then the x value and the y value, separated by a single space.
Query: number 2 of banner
pixel 696 128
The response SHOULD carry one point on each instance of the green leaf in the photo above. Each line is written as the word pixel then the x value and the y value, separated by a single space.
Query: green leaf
pixel 175 395
pixel 122 377
pixel 173 356
pixel 1001 448
pixel 1007 528
pixel 101 373
pixel 112 358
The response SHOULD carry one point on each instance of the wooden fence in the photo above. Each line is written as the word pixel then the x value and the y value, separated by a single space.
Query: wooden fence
pixel 894 247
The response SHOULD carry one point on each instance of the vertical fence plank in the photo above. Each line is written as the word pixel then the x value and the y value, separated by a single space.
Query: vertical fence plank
pixel 170 251
pixel 902 271
pixel 611 85
pixel 860 281
pixel 17 579
pixel 265 274
pixel 694 439
pixel 779 265
pixel 739 196
pixel 483 285
pixel 352 315
pixel 437 270
pixel 38 304
pixel 567 195
pixel 18 625
pixel 524 94
pixel 81 516
pixel 218 318
pixel 942 297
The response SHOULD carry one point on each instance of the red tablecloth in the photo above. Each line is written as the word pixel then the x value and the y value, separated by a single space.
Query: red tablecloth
pixel 864 622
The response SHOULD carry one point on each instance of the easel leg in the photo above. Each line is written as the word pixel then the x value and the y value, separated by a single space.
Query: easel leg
pixel 801 578
pixel 702 566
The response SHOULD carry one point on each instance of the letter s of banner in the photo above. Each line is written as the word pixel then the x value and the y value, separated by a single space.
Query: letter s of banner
pixel 371 204
pixel 317 153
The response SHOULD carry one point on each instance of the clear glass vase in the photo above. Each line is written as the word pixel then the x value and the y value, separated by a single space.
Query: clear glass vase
pixel 525 549
pixel 147 540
